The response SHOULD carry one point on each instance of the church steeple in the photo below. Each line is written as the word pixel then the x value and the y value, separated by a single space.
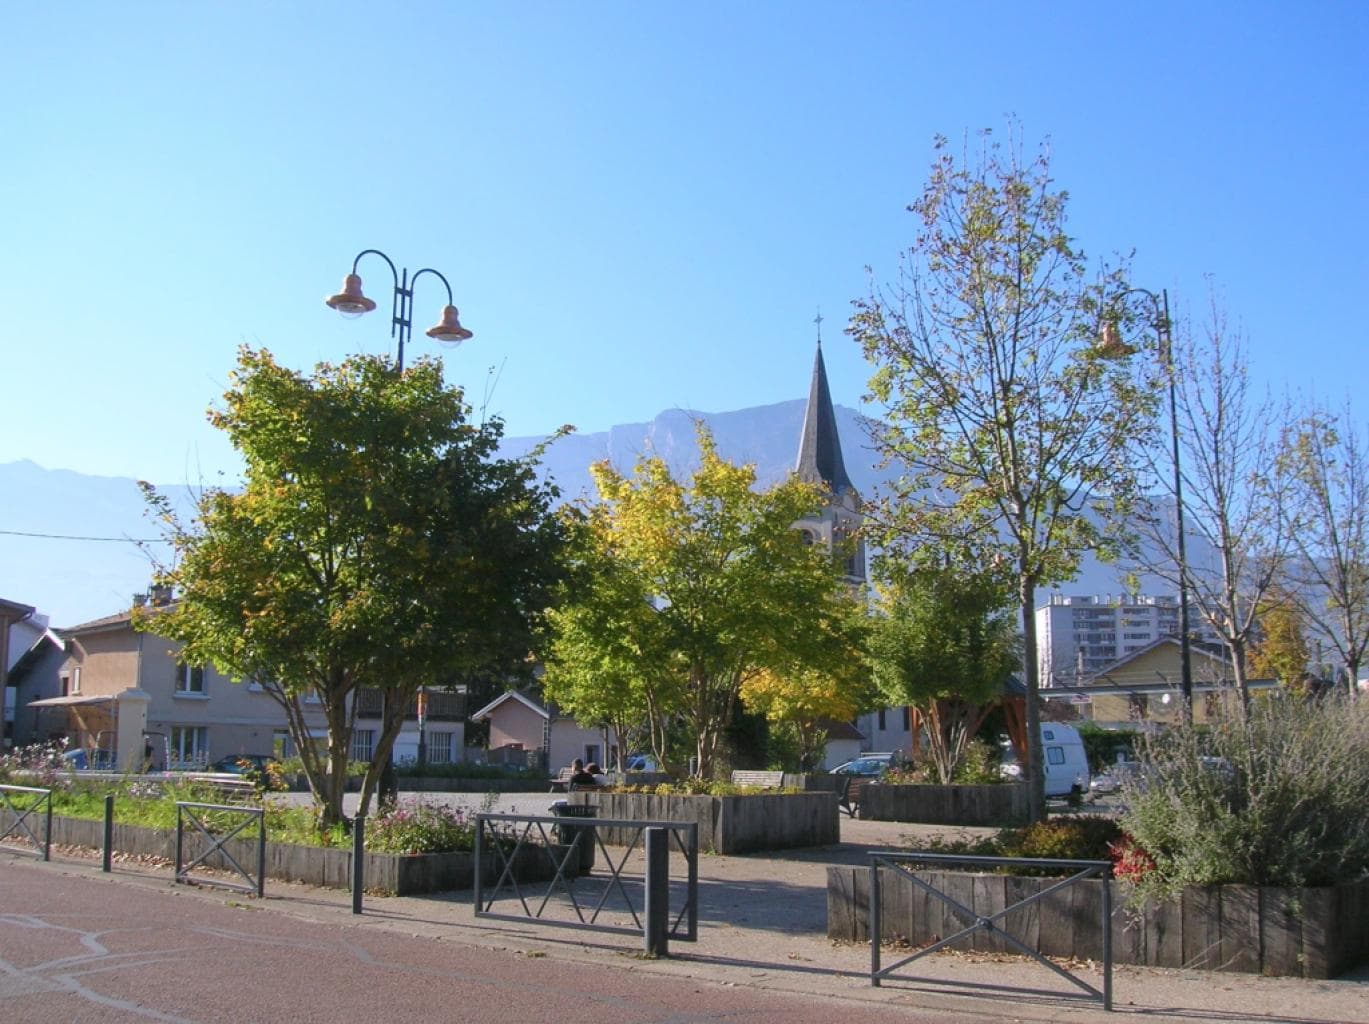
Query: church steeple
pixel 820 448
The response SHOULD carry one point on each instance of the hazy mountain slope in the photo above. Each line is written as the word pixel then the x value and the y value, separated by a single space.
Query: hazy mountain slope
pixel 75 581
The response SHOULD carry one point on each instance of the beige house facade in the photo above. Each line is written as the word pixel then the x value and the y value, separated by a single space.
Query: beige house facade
pixel 127 692
pixel 1144 689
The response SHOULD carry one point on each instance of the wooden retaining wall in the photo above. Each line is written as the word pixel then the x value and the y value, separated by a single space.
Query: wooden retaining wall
pixel 1001 804
pixel 727 824
pixel 391 874
pixel 1311 933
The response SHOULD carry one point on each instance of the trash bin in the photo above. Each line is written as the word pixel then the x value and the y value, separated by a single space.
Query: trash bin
pixel 581 836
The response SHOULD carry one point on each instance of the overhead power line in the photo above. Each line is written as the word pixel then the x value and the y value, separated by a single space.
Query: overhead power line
pixel 69 536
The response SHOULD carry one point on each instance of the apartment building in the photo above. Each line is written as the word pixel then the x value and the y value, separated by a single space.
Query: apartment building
pixel 1078 636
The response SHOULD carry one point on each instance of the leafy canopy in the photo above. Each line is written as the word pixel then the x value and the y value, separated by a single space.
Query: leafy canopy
pixel 378 541
pixel 694 588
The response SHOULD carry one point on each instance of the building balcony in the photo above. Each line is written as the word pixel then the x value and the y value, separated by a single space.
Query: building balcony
pixel 443 706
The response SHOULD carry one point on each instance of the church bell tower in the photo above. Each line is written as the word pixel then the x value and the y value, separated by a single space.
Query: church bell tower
pixel 820 462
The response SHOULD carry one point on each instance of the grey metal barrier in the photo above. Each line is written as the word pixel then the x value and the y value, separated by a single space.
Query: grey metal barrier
pixel 205 819
pixel 991 924
pixel 22 827
pixel 516 849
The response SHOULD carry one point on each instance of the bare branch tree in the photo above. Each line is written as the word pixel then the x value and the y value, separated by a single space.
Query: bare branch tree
pixel 1014 434
pixel 1326 459
pixel 1228 441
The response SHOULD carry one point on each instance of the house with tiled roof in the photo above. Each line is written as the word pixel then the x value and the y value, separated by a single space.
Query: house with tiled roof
pixel 128 691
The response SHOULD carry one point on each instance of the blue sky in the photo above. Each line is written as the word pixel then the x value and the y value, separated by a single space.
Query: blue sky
pixel 639 206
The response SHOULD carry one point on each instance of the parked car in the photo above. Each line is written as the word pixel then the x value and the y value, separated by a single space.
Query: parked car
pixel 867 765
pixel 1112 778
pixel 640 763
pixel 237 764
pixel 83 760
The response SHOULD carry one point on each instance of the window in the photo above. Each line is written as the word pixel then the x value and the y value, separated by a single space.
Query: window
pixel 76 679
pixel 190 679
pixel 1138 706
pixel 907 718
pixel 281 744
pixel 363 744
pixel 189 746
pixel 881 718
pixel 591 753
pixel 439 748
pixel 1055 755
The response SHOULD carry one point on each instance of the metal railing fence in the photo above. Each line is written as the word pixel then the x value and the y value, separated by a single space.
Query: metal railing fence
pixel 12 801
pixel 507 843
pixel 215 825
pixel 1079 870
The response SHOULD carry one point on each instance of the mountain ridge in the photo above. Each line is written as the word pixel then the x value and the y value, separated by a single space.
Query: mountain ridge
pixel 74 581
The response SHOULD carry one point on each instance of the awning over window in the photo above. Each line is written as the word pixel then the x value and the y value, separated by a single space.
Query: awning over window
pixel 72 699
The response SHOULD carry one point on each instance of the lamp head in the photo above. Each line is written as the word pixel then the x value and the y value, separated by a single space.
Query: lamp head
pixel 350 302
pixel 449 330
pixel 1110 344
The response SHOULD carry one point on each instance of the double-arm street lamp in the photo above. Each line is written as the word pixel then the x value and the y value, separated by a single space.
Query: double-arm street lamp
pixel 1112 345
pixel 351 302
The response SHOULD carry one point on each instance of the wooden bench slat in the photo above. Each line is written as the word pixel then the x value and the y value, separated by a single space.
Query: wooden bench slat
pixel 759 779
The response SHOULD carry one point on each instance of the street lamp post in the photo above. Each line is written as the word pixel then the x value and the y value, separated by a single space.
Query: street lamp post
pixel 1113 345
pixel 351 302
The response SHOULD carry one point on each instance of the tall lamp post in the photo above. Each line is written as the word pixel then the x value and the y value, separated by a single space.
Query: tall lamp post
pixel 352 302
pixel 1112 345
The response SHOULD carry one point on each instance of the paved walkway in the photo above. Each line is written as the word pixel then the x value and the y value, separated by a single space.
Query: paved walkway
pixel 762 924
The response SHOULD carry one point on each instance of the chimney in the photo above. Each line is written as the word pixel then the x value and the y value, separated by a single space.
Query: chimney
pixel 160 596
pixel 139 600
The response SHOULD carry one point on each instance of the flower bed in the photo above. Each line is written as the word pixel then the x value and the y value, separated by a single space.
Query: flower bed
pixel 1312 932
pixel 727 824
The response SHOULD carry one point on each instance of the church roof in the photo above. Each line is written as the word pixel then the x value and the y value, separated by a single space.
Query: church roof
pixel 820 448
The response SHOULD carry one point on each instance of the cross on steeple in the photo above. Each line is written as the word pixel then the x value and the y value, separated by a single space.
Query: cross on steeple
pixel 818 320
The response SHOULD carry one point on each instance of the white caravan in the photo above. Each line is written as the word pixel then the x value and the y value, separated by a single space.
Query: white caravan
pixel 1062 757
pixel 1063 760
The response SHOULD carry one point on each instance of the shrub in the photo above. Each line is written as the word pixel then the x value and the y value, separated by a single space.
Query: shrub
pixel 420 828
pixel 1274 798
pixel 1071 837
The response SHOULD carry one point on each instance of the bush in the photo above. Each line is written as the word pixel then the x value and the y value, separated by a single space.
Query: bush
pixel 1079 837
pixel 1076 837
pixel 420 828
pixel 1276 798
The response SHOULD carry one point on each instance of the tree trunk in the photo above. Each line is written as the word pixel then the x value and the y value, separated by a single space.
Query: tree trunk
pixel 1035 778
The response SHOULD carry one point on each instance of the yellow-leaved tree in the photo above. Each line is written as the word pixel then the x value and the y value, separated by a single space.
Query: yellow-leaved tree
pixel 688 591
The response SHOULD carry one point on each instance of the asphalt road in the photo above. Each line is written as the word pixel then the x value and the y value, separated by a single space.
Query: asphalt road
pixel 81 947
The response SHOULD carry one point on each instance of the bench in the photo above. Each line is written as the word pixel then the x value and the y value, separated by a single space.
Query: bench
pixel 227 788
pixel 758 780
pixel 561 782
pixel 849 792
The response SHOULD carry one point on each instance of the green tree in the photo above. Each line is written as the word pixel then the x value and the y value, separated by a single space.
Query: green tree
pixel 709 585
pixel 1281 650
pixel 377 541
pixel 1014 437
pixel 800 699
pixel 944 643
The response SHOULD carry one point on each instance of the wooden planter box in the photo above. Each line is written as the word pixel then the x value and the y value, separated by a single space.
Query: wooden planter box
pixel 392 874
pixel 1003 804
pixel 727 824
pixel 1310 933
